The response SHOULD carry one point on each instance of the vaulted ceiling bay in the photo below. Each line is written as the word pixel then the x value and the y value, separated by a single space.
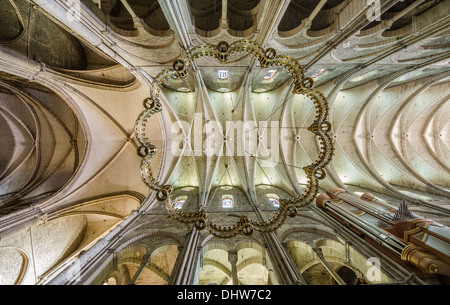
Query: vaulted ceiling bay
pixel 74 79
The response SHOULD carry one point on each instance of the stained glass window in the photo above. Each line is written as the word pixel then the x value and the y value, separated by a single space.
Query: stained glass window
pixel 222 74
pixel 180 201
pixel 270 74
pixel 227 201
pixel 274 199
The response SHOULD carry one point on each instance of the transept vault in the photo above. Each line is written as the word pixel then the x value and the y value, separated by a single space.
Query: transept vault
pixel 76 75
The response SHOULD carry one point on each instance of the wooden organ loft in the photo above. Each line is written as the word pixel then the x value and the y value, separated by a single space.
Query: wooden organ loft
pixel 418 244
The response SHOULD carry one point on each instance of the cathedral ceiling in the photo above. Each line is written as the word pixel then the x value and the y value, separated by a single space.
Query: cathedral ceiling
pixel 376 72
pixel 75 75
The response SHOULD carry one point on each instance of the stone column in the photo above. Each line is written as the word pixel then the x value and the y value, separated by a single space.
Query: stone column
pixel 327 266
pixel 186 264
pixel 179 18
pixel 224 19
pixel 285 269
pixel 144 263
pixel 233 258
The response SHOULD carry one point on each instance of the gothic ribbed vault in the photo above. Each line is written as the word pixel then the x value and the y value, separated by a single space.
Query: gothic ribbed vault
pixel 73 78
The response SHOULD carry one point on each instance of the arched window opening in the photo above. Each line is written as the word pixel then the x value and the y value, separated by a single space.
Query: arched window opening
pixel 274 199
pixel 180 201
pixel 227 201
